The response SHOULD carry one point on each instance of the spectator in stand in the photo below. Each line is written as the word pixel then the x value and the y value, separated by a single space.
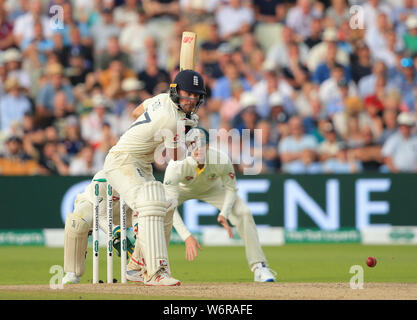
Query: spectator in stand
pixel 69 23
pixel 14 161
pixel 13 105
pixel 390 125
pixel 344 162
pixel 410 38
pixel 198 12
pixel 83 163
pixel 77 72
pixel 231 106
pixel 375 37
pixel 133 92
pixel 234 19
pixel 337 103
pixel 277 114
pixel 388 54
pixel 300 16
pixel 361 62
pixel 13 62
pixel 315 33
pixel 111 79
pixel 132 40
pixel 366 85
pixel 112 52
pixel 330 88
pixel 318 53
pixel 298 150
pixel 59 114
pixel 153 75
pixel 401 14
pixel 271 82
pixel 400 150
pixel 42 45
pixel 24 25
pixel 278 55
pixel 406 82
pixel 269 11
pixel 103 30
pixel 55 82
pixel 247 117
pixel 267 148
pixel 337 13
pixel 369 151
pixel 296 73
pixel 126 13
pixel 78 46
pixel 328 148
pixel 322 72
pixel 6 29
pixel 371 10
pixel 51 161
pixel 92 124
pixel 73 141
pixel 222 90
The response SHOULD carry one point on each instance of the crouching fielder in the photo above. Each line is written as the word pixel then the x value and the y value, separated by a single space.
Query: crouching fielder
pixel 208 175
pixel 79 223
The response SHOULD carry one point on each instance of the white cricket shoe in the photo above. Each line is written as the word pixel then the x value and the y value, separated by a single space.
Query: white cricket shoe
pixel 71 278
pixel 135 275
pixel 162 278
pixel 263 273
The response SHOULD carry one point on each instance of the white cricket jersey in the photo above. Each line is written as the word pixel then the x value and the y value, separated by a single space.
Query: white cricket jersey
pixel 158 124
pixel 184 174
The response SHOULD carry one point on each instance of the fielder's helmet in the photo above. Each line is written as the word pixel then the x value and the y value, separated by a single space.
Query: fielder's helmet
pixel 190 81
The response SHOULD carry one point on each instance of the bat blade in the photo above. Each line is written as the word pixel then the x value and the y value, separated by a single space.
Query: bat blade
pixel 187 52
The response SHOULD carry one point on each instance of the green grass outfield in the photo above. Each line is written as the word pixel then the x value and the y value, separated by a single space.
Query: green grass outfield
pixel 292 262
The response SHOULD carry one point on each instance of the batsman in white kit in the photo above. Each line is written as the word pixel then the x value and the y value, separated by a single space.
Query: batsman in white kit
pixel 128 167
pixel 208 175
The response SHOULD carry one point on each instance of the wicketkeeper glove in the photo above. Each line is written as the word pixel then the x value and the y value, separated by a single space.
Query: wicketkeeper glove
pixel 116 243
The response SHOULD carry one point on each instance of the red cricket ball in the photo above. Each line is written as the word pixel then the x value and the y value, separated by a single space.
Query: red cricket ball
pixel 371 262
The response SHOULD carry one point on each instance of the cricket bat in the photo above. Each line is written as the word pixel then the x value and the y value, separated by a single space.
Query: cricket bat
pixel 187 51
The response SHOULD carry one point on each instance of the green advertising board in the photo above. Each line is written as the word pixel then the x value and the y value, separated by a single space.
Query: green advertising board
pixel 325 202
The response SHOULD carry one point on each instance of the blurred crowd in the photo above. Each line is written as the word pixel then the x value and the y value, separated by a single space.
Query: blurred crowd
pixel 331 84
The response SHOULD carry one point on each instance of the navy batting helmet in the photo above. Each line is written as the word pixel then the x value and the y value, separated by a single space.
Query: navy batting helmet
pixel 190 81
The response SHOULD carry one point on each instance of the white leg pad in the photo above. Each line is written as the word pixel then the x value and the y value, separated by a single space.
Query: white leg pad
pixel 151 236
pixel 75 244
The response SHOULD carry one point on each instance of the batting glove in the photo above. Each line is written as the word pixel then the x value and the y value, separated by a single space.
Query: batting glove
pixel 193 121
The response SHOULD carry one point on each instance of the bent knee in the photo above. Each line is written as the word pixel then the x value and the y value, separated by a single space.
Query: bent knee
pixel 151 200
pixel 76 224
